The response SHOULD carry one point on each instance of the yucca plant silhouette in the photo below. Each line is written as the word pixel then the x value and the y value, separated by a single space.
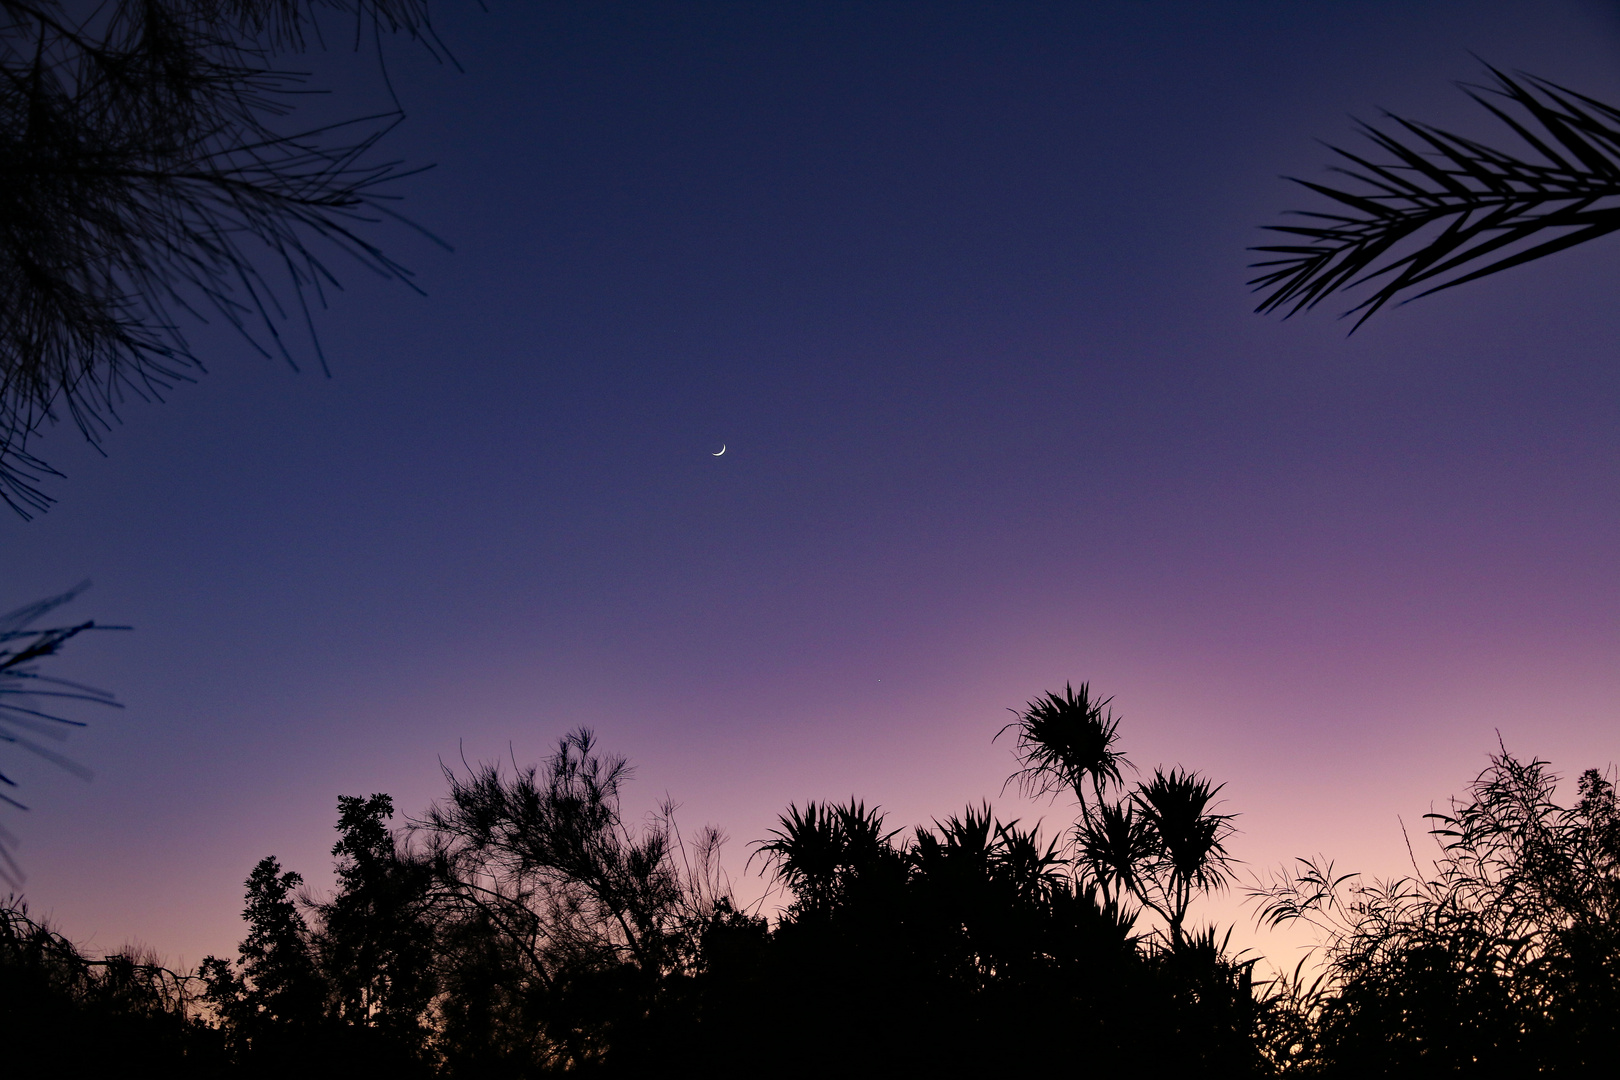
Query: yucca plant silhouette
pixel 976 853
pixel 959 849
pixel 1187 852
pixel 1028 867
pixel 1066 743
pixel 1161 844
pixel 1113 848
pixel 1443 209
pixel 821 851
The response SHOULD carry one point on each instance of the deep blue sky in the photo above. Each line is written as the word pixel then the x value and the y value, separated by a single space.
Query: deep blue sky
pixel 960 287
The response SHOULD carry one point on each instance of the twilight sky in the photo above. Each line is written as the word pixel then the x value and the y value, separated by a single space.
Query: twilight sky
pixel 960 288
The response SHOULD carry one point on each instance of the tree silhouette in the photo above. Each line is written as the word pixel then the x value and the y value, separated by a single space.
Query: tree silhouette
pixel 1066 741
pixel 930 952
pixel 338 988
pixel 1440 209
pixel 376 938
pixel 584 919
pixel 532 931
pixel 148 179
pixel 967 948
pixel 274 984
pixel 974 939
pixel 1114 849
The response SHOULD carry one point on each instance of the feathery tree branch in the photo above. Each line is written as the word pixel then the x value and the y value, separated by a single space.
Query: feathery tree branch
pixel 147 182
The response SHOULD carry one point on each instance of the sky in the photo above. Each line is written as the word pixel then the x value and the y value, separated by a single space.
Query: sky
pixel 960 289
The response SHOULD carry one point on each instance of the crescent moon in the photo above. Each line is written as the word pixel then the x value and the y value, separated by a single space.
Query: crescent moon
pixel 722 450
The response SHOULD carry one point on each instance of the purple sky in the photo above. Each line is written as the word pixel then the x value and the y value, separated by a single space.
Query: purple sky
pixel 961 290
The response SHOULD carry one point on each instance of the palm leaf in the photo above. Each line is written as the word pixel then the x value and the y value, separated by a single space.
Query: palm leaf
pixel 1447 210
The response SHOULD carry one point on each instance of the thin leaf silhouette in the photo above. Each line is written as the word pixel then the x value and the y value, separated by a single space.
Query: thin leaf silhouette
pixel 29 700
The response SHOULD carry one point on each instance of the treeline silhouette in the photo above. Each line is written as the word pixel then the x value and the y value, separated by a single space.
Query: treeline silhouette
pixel 522 927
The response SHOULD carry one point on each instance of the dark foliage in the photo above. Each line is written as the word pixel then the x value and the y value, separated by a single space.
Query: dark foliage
pixel 1505 960
pixel 377 937
pixel 149 178
pixel 1066 743
pixel 348 998
pixel 522 928
pixel 969 950
pixel 68 1016
pixel 1159 843
pixel 1184 853
pixel 582 921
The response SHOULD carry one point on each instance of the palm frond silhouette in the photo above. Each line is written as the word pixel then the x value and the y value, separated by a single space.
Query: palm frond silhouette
pixel 1442 210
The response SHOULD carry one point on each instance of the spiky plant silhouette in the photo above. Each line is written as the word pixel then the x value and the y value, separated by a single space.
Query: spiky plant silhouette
pixel 1066 742
pixel 1186 847
pixel 820 851
pixel 1441 210
pixel 1114 849
pixel 1160 843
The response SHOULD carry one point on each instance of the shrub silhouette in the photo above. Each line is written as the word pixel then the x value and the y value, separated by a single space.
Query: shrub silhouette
pixel 1505 958
pixel 67 1015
